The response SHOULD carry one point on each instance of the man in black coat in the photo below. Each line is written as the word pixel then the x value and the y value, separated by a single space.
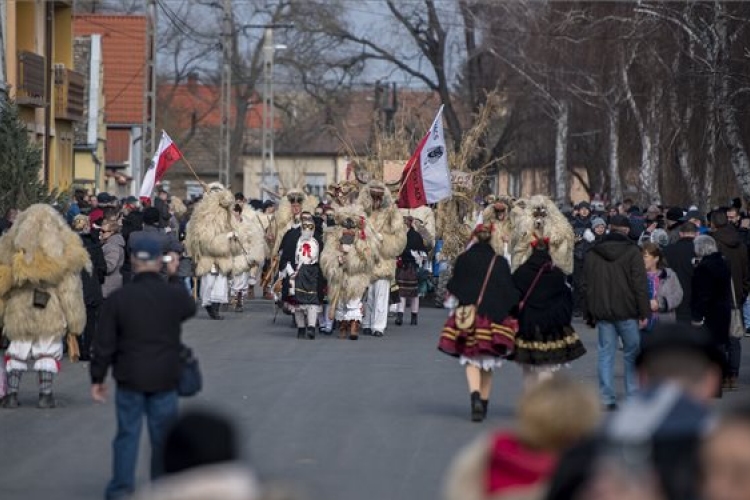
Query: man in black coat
pixel 680 257
pixel 616 300
pixel 139 337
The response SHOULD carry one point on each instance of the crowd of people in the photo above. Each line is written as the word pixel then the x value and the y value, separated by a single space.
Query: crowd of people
pixel 668 287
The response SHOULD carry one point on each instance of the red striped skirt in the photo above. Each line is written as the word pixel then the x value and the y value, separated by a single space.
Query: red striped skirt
pixel 485 339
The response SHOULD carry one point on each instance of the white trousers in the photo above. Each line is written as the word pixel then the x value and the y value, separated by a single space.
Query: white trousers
pixel 240 283
pixel 376 305
pixel 325 322
pixel 45 353
pixel 214 288
pixel 306 315
pixel 349 311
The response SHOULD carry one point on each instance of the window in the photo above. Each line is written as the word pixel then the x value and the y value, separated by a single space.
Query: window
pixel 315 184
pixel 193 189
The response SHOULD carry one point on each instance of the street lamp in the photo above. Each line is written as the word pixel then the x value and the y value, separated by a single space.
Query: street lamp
pixel 267 149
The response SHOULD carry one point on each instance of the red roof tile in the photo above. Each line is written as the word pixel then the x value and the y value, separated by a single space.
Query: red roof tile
pixel 179 102
pixel 124 59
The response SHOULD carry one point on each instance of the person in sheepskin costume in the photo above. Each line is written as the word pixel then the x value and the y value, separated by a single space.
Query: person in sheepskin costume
pixel 497 214
pixel 538 217
pixel 209 242
pixel 347 262
pixel 41 297
pixel 390 240
pixel 249 251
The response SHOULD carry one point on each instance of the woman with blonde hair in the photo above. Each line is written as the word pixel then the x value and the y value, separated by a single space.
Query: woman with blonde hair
pixel 551 416
pixel 114 255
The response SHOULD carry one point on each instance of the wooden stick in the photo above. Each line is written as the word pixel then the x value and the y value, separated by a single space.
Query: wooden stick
pixel 190 167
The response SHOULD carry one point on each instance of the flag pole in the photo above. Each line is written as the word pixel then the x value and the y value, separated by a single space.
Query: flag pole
pixel 192 170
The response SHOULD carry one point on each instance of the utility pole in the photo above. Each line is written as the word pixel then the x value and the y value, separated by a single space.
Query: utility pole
pixel 268 111
pixel 225 134
pixel 148 136
pixel 3 69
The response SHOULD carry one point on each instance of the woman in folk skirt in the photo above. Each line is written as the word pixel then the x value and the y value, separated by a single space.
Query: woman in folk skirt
pixel 407 276
pixel 481 347
pixel 546 340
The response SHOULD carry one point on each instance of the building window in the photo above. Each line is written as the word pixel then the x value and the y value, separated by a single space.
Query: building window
pixel 315 184
pixel 193 189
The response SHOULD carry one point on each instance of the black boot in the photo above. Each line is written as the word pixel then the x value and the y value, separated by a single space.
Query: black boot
pixel 238 304
pixel 300 333
pixel 216 306
pixel 477 409
pixel 11 400
pixel 399 319
pixel 311 332
pixel 485 404
pixel 46 401
pixel 413 318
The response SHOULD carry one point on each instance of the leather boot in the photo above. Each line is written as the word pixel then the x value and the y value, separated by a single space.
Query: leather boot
pixel 215 306
pixel 477 409
pixel 300 333
pixel 343 329
pixel 354 330
pixel 399 319
pixel 485 404
pixel 46 401
pixel 11 400
pixel 311 332
pixel 238 304
pixel 251 293
pixel 210 310
pixel 413 319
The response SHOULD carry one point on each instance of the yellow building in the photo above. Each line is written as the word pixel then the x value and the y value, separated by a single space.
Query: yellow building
pixel 39 72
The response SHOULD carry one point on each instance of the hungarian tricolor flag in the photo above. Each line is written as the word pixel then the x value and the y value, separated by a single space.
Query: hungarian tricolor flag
pixel 426 178
pixel 165 157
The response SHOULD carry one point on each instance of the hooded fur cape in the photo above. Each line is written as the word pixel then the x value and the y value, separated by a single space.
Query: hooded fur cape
pixel 539 216
pixel 426 215
pixel 40 252
pixel 207 239
pixel 348 280
pixel 250 248
pixel 284 214
pixel 502 230
pixel 388 226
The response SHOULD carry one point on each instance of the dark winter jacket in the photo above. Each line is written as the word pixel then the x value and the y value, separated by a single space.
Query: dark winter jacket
pixel 735 251
pixel 469 272
pixel 615 283
pixel 139 334
pixel 680 258
pixel 550 303
pixel 712 299
pixel 92 282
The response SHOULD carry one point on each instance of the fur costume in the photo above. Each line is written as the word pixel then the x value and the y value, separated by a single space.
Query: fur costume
pixel 284 215
pixel 502 228
pixel 349 279
pixel 249 249
pixel 40 252
pixel 209 234
pixel 388 225
pixel 426 215
pixel 539 217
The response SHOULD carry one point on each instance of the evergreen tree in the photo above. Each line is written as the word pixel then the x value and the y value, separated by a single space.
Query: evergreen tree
pixel 20 162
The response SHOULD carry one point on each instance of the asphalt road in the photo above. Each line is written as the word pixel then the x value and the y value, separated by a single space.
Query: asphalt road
pixel 375 419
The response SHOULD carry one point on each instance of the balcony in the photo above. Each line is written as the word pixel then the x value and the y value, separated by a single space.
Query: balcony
pixel 69 93
pixel 30 84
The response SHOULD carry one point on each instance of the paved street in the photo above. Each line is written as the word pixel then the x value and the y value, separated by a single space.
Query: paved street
pixel 377 419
